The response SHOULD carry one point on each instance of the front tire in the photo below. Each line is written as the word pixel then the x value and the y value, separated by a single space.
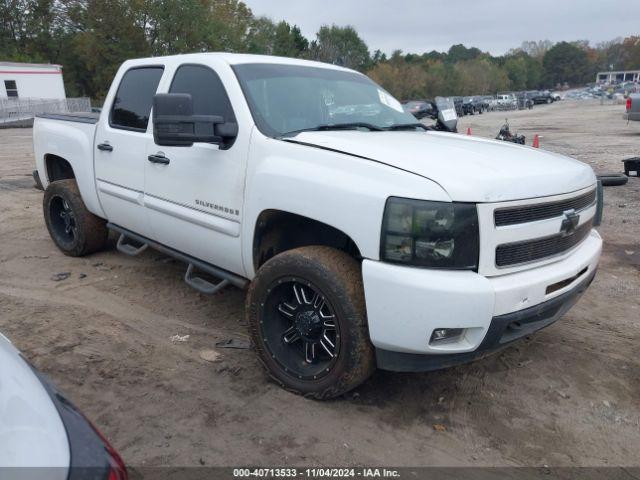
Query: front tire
pixel 74 229
pixel 307 321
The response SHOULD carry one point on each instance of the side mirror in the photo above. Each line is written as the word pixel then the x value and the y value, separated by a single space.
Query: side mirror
pixel 174 123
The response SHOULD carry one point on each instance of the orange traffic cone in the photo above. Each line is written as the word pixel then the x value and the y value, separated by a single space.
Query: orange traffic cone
pixel 536 141
pixel 469 131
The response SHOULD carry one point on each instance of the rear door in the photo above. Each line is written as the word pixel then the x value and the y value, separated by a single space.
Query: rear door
pixel 195 199
pixel 120 146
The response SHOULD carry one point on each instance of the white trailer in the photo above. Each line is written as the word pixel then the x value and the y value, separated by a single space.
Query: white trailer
pixel 31 80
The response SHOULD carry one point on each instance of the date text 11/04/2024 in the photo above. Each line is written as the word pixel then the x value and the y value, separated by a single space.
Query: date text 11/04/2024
pixel 316 473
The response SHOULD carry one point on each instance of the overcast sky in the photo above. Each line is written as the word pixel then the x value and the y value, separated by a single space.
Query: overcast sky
pixel 496 26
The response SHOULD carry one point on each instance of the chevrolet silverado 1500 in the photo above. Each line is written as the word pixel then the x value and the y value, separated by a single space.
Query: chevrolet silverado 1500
pixel 363 238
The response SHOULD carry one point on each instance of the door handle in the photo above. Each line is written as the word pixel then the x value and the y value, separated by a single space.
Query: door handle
pixel 105 147
pixel 158 158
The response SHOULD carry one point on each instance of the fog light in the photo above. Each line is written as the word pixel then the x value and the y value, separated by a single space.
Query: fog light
pixel 441 335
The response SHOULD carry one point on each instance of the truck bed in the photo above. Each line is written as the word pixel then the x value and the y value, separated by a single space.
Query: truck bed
pixel 70 137
pixel 80 117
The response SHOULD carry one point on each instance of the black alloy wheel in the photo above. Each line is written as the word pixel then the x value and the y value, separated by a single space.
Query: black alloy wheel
pixel 307 320
pixel 63 220
pixel 74 229
pixel 299 329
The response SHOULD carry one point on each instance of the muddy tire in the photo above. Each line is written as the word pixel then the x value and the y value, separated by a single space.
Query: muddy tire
pixel 306 314
pixel 74 229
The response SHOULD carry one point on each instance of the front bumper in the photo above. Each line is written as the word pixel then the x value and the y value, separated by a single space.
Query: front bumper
pixel 405 305
pixel 503 330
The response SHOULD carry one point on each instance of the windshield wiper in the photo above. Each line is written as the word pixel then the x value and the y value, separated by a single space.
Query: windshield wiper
pixel 336 126
pixel 407 126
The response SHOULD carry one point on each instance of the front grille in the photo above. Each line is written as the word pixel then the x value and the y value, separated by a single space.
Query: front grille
pixel 516 253
pixel 541 211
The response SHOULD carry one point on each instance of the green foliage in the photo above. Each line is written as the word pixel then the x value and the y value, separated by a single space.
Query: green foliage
pixel 537 49
pixel 480 75
pixel 91 38
pixel 404 81
pixel 458 53
pixel 566 62
pixel 261 36
pixel 524 71
pixel 631 47
pixel 340 46
pixel 104 37
pixel 289 42
pixel 619 54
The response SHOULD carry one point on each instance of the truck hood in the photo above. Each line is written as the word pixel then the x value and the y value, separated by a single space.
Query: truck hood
pixel 470 169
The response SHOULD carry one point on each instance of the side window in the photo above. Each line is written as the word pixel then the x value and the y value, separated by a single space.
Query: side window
pixel 11 88
pixel 206 89
pixel 132 105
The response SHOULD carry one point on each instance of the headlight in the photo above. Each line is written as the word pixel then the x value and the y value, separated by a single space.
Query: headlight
pixel 430 234
pixel 597 219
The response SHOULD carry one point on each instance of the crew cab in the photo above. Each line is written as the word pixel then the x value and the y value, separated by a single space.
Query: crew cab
pixel 363 238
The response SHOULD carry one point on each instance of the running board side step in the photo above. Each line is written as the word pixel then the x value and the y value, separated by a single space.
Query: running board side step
pixel 129 249
pixel 200 284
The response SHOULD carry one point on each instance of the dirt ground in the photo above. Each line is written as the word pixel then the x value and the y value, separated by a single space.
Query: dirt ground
pixel 567 396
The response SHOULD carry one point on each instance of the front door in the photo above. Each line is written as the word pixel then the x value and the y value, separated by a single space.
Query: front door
pixel 120 147
pixel 194 195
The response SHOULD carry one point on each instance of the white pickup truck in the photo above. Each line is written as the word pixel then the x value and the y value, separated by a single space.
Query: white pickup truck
pixel 365 239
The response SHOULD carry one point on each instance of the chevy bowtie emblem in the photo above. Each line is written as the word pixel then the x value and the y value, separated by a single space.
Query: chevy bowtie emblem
pixel 569 223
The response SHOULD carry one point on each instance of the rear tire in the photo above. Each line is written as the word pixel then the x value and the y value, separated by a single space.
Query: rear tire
pixel 74 229
pixel 307 320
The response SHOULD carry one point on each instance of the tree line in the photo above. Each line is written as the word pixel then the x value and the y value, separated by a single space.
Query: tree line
pixel 532 66
pixel 90 38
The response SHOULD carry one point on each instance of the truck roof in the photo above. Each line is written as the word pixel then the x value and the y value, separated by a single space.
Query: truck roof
pixel 237 59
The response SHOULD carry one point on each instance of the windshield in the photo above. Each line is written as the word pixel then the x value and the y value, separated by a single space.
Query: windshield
pixel 285 99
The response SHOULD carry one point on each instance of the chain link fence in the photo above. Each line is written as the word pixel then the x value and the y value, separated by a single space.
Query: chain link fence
pixel 16 111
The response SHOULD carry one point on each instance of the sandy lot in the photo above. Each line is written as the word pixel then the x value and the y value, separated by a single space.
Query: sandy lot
pixel 567 396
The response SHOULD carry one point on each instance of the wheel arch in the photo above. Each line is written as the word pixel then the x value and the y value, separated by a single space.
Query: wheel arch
pixel 277 231
pixel 58 168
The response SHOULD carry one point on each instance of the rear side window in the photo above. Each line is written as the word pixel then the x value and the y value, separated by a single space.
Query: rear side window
pixel 132 105
pixel 206 89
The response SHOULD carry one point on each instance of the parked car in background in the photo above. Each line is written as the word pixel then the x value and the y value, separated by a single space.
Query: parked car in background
pixel 473 105
pixel 364 239
pixel 627 88
pixel 42 434
pixel 542 96
pixel 507 101
pixel 633 107
pixel 556 96
pixel 525 100
pixel 458 103
pixel 491 101
pixel 419 108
